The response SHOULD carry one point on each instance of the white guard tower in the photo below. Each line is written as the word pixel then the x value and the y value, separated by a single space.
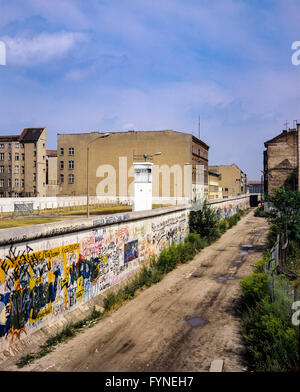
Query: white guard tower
pixel 142 186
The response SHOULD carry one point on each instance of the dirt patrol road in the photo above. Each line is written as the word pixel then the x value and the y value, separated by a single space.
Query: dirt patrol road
pixel 152 332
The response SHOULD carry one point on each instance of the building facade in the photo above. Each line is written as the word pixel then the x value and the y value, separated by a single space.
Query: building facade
pixel 51 173
pixel 23 164
pixel 110 163
pixel 214 188
pixel 255 186
pixel 232 179
pixel 281 158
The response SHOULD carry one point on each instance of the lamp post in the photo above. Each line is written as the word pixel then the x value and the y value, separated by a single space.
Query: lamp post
pixel 87 172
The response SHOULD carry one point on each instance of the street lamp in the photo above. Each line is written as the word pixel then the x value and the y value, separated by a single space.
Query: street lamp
pixel 151 155
pixel 87 172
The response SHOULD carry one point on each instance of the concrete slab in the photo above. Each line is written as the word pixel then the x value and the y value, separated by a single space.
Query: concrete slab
pixel 216 366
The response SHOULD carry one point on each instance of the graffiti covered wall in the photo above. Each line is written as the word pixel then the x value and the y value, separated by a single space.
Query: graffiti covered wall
pixel 230 206
pixel 44 278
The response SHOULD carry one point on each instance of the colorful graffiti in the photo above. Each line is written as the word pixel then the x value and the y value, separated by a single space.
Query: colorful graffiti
pixel 37 286
pixel 131 251
pixel 227 208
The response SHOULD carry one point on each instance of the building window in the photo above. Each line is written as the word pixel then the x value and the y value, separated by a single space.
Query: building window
pixel 71 165
pixel 16 182
pixel 1 183
pixel 9 156
pixel 71 151
pixel 17 145
pixel 16 156
pixel 71 178
pixel 16 169
pixel 34 153
pixel 61 165
pixel 34 176
pixel 1 145
pixel 1 169
pixel 34 163
pixel 61 178
pixel 22 169
pixel 23 156
pixel 9 169
pixel 62 151
pixel 22 182
pixel 1 156
pixel 9 183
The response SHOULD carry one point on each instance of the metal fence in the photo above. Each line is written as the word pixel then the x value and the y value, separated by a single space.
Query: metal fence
pixel 281 281
pixel 23 209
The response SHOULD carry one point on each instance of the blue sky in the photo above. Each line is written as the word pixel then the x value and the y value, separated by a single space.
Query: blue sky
pixel 81 65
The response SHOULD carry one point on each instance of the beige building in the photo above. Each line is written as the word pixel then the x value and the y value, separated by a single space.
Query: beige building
pixel 281 159
pixel 111 162
pixel 51 173
pixel 214 188
pixel 23 164
pixel 232 179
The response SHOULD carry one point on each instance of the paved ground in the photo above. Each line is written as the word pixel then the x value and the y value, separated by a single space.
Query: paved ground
pixel 152 332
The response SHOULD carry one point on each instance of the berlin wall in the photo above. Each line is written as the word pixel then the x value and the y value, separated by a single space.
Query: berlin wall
pixel 47 271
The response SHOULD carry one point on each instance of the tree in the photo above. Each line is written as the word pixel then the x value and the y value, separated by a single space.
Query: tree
pixel 287 212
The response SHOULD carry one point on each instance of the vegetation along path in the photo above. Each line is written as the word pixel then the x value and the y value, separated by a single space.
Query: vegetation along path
pixel 182 323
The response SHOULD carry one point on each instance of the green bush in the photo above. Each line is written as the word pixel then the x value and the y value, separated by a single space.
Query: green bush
pixel 222 225
pixel 204 222
pixel 270 337
pixel 259 266
pixel 272 236
pixel 196 241
pixel 261 213
pixel 254 288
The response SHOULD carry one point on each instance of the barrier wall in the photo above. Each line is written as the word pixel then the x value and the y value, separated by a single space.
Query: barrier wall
pixel 48 270
pixel 41 203
pixel 227 207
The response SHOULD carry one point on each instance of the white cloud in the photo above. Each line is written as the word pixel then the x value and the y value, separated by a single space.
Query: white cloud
pixel 41 48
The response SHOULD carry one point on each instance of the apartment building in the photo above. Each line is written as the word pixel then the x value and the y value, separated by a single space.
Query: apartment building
pixel 281 159
pixel 232 179
pixel 111 162
pixel 255 186
pixel 23 164
pixel 214 188
pixel 51 173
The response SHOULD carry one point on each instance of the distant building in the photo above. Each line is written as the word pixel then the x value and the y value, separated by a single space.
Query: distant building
pixel 111 163
pixel 255 186
pixel 232 179
pixel 214 188
pixel 23 164
pixel 281 159
pixel 51 173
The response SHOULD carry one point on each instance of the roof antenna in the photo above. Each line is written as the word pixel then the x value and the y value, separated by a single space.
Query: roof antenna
pixel 286 124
